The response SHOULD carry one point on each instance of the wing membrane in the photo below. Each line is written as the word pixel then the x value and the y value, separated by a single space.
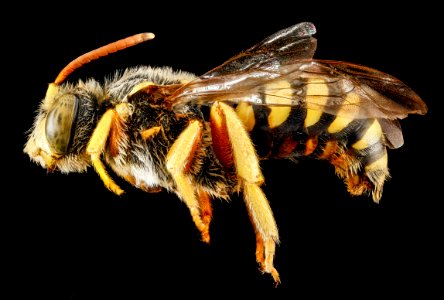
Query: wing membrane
pixel 290 44
pixel 280 71
pixel 338 88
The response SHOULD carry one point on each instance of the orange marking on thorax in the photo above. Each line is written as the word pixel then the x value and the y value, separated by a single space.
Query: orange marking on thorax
pixel 148 133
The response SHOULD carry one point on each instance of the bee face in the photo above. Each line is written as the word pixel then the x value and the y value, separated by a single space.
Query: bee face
pixel 62 127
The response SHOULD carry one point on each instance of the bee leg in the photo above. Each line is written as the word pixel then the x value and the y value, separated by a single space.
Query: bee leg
pixel 206 212
pixel 178 161
pixel 97 144
pixel 233 145
pixel 264 226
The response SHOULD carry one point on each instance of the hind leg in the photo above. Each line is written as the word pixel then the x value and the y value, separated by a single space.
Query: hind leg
pixel 233 146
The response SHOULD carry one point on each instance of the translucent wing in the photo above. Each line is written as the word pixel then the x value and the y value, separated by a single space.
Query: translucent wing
pixel 283 47
pixel 280 71
pixel 262 60
pixel 334 87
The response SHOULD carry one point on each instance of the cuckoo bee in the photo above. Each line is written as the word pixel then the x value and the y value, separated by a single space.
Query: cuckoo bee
pixel 203 137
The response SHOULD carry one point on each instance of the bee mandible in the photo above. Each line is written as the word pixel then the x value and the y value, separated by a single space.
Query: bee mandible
pixel 203 137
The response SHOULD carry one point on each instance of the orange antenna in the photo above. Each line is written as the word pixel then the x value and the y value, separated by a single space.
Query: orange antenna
pixel 102 51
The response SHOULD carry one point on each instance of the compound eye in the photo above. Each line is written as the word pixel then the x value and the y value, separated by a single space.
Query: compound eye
pixel 60 123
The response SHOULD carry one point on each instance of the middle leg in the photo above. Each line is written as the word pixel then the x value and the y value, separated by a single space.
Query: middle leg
pixel 178 162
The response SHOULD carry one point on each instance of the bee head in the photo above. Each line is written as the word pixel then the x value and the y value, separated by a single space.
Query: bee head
pixel 63 125
pixel 68 114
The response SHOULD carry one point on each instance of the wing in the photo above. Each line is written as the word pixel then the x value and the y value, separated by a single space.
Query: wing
pixel 262 60
pixel 283 47
pixel 280 71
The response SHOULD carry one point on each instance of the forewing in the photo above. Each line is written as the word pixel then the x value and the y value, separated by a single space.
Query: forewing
pixel 354 91
pixel 257 64
pixel 377 91
pixel 280 71
pixel 290 44
pixel 338 88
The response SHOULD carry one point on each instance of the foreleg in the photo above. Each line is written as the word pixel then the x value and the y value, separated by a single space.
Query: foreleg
pixel 97 144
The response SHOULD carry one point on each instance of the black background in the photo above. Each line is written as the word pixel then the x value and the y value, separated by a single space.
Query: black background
pixel 67 237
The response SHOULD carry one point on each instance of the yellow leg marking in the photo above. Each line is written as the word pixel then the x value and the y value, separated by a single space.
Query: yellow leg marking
pixel 371 136
pixel 177 163
pixel 265 227
pixel 96 146
pixel 245 157
pixel 187 192
pixel 107 181
pixel 250 177
pixel 260 210
pixel 181 153
pixel 146 134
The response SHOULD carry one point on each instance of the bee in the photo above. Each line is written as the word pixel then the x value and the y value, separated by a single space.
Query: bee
pixel 203 137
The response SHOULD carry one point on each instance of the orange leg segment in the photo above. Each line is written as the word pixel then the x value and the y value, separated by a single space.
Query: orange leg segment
pixel 206 212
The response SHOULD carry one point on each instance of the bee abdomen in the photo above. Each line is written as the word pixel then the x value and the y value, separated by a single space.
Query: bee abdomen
pixel 358 152
pixel 355 147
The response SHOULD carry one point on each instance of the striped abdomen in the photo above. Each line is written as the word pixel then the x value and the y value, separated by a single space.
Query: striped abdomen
pixel 356 147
